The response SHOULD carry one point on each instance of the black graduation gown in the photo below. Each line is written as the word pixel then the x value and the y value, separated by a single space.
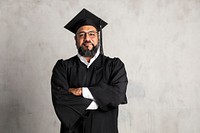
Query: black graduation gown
pixel 107 81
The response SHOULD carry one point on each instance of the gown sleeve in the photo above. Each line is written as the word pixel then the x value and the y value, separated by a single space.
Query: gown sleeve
pixel 69 108
pixel 111 92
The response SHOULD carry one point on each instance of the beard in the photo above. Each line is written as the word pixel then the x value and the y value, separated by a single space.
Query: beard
pixel 86 52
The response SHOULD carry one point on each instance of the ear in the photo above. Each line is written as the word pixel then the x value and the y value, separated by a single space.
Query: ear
pixel 75 38
pixel 98 35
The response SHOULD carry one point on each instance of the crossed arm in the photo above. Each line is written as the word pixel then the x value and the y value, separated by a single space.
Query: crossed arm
pixel 106 95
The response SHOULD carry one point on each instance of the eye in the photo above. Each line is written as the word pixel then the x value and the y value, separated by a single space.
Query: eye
pixel 81 35
pixel 92 34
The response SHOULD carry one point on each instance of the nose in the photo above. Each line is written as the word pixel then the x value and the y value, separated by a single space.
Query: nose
pixel 87 37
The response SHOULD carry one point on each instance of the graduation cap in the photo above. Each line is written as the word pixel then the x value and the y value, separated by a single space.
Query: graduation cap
pixel 84 17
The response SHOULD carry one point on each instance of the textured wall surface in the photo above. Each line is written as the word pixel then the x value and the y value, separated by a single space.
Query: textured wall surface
pixel 158 40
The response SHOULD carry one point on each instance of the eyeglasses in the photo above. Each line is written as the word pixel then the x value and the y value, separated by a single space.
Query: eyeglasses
pixel 91 34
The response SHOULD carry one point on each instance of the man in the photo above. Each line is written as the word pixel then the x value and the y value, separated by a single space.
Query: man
pixel 87 88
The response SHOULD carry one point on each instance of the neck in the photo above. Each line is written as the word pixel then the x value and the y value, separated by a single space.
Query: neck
pixel 88 59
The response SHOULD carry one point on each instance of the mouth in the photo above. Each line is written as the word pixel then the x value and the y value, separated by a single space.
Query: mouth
pixel 87 44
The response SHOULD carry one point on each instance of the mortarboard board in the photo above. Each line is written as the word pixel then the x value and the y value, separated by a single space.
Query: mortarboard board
pixel 84 17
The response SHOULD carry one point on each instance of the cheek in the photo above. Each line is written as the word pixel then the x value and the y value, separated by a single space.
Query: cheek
pixel 79 42
pixel 95 41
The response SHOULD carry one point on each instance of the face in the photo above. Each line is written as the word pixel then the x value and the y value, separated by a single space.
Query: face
pixel 87 40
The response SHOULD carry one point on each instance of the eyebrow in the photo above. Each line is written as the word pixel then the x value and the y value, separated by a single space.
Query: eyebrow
pixel 87 31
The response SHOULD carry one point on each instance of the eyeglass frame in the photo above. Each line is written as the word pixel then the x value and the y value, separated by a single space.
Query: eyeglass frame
pixel 86 33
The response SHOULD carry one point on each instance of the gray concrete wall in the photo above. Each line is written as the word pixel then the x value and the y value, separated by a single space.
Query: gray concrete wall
pixel 158 40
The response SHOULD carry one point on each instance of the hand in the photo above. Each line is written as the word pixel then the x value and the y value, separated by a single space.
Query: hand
pixel 75 91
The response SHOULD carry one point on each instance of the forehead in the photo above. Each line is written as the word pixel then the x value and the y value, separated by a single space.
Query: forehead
pixel 86 28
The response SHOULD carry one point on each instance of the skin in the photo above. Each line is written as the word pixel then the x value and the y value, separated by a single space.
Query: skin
pixel 87 43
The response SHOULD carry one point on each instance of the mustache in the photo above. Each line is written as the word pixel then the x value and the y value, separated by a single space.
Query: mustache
pixel 88 42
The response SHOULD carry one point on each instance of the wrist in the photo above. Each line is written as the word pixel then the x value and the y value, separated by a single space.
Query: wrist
pixel 81 91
